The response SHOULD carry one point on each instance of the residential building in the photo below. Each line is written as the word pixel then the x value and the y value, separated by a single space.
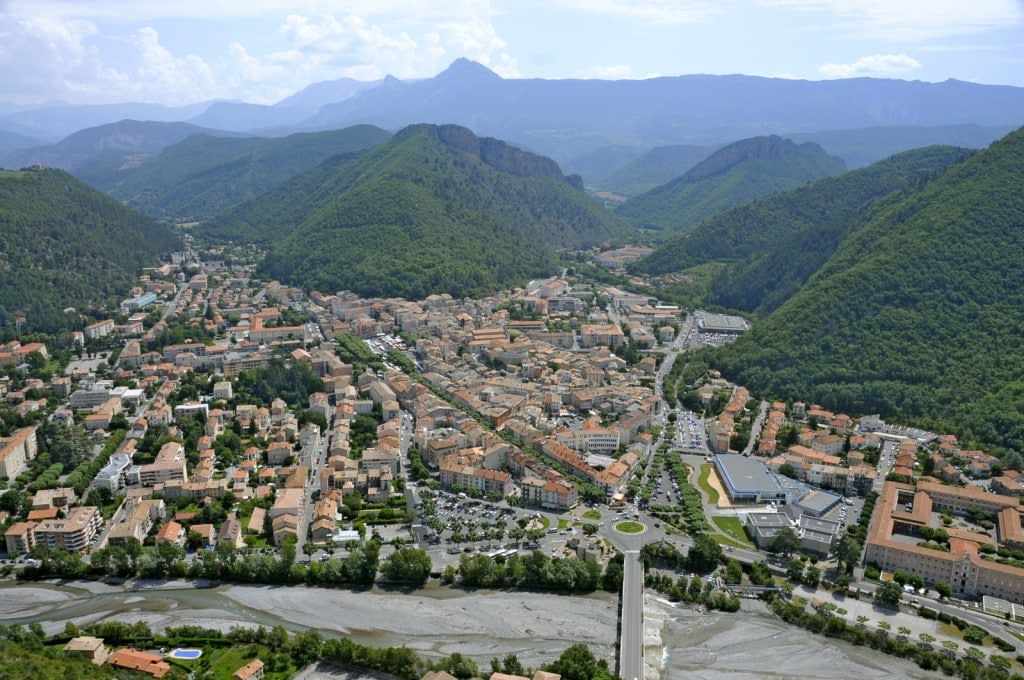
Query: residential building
pixel 168 465
pixel 21 538
pixel 91 648
pixel 72 533
pixel 99 329
pixel 137 517
pixel 250 671
pixel 592 335
pixel 133 659
pixel 16 451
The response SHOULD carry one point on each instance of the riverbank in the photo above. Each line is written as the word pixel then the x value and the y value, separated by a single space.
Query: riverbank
pixel 753 645
pixel 433 621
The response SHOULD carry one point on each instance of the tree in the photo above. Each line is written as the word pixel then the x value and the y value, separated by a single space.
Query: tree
pixel 943 589
pixel 812 577
pixel 407 565
pixel 704 555
pixel 785 542
pixel 848 551
pixel 795 571
pixel 12 501
pixel 578 663
pixel 888 594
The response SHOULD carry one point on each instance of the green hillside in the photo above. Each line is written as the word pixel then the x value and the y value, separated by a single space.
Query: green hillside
pixel 654 168
pixel 733 175
pixel 435 209
pixel 205 175
pixel 766 250
pixel 918 315
pixel 65 244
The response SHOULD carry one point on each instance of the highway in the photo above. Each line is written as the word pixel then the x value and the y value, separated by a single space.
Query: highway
pixel 631 644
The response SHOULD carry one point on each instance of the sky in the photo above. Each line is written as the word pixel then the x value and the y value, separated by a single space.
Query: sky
pixel 184 51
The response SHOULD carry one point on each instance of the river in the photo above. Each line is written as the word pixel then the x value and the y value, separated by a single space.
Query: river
pixel 435 621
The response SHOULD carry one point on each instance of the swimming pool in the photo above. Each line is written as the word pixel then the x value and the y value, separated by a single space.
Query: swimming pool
pixel 185 653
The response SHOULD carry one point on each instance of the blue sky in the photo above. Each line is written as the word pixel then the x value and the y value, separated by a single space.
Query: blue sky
pixel 182 51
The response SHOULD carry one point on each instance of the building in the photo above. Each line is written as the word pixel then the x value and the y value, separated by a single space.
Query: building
pixel 137 517
pixel 91 648
pixel 112 476
pixel 552 494
pixel 21 538
pixel 99 329
pixel 168 465
pixel 592 335
pixel 721 323
pixel 764 526
pixel 250 671
pixel 748 481
pixel 894 539
pixel 72 533
pixel 590 439
pixel 137 303
pixel 133 659
pixel 16 451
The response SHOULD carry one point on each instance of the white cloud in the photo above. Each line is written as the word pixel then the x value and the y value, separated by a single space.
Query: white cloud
pixel 912 20
pixel 652 11
pixel 62 48
pixel 873 65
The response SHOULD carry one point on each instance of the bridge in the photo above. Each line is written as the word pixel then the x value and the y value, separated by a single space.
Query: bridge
pixel 631 640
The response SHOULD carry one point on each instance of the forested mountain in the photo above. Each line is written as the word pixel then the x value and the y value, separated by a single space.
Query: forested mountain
pixel 733 175
pixel 865 146
pixel 654 168
pixel 766 250
pixel 435 209
pixel 202 176
pixel 918 315
pixel 64 244
pixel 106 148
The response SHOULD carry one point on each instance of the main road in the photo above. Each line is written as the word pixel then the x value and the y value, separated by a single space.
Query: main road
pixel 631 641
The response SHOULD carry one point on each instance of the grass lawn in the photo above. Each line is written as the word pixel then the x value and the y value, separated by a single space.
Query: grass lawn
pixel 725 540
pixel 592 514
pixel 705 472
pixel 545 521
pixel 731 527
pixel 225 662
pixel 629 527
pixel 563 524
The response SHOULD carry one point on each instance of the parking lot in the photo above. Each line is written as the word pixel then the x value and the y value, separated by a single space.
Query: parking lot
pixel 460 525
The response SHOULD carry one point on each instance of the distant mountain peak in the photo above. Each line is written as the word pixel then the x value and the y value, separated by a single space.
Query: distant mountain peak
pixel 767 148
pixel 464 69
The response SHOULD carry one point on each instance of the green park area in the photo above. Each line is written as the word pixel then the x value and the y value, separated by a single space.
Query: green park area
pixel 629 527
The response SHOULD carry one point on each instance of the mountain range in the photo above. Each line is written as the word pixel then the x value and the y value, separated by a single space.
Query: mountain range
pixel 733 175
pixel 568 119
pixel 64 244
pixel 433 209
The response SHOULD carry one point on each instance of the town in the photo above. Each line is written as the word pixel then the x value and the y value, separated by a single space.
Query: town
pixel 219 426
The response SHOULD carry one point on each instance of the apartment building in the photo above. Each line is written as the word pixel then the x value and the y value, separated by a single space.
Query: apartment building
pixel 21 538
pixel 169 465
pixel 99 329
pixel 72 533
pixel 549 493
pixel 16 451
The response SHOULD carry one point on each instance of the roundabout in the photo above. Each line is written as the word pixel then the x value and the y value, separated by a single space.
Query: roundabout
pixel 630 527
